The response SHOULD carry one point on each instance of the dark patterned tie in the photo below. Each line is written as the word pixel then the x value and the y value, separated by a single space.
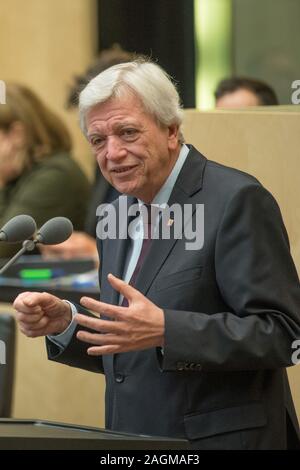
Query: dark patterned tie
pixel 147 239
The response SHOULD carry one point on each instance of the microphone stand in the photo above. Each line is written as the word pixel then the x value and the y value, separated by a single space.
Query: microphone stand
pixel 28 245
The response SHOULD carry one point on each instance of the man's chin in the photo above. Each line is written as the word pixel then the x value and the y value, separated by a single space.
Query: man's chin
pixel 128 189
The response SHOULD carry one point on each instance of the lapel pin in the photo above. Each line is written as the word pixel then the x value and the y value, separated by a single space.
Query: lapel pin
pixel 170 222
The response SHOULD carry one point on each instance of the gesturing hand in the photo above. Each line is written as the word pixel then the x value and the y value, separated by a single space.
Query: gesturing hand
pixel 138 326
pixel 41 314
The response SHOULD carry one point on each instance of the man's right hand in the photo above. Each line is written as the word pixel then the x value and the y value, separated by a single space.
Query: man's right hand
pixel 41 314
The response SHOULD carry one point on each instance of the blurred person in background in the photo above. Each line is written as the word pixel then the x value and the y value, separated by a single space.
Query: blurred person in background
pixel 83 244
pixel 240 92
pixel 37 174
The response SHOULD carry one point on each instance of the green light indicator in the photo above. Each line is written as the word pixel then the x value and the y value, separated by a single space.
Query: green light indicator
pixel 30 274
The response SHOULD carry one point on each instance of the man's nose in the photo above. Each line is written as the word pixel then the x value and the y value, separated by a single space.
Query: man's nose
pixel 115 148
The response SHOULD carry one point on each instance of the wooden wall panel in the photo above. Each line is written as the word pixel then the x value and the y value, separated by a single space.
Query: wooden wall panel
pixel 43 44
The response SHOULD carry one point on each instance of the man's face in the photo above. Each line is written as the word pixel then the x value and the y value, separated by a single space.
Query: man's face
pixel 238 99
pixel 134 153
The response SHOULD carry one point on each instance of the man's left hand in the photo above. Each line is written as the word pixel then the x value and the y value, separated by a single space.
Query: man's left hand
pixel 136 327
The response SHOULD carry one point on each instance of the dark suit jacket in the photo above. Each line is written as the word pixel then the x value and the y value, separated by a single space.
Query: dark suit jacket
pixel 231 315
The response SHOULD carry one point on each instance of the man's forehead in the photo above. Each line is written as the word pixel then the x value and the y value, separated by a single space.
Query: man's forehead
pixel 117 103
pixel 115 110
pixel 101 125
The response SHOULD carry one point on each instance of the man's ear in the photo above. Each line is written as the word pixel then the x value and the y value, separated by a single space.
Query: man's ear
pixel 17 132
pixel 173 130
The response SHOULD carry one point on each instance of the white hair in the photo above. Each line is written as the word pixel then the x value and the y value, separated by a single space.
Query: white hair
pixel 149 82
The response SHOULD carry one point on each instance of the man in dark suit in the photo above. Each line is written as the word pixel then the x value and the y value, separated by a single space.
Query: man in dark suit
pixel 197 325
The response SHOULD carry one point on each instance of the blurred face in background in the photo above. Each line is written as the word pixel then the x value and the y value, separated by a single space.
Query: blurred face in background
pixel 238 99
pixel 12 152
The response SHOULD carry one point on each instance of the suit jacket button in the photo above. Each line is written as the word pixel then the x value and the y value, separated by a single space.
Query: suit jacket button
pixel 180 365
pixel 198 366
pixel 119 378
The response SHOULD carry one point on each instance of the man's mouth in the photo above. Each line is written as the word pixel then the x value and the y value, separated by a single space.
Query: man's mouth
pixel 123 169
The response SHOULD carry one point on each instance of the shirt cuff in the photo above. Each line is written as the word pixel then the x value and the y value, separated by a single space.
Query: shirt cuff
pixel 62 339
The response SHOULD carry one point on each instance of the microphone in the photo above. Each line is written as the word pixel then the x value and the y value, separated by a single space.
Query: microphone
pixel 53 232
pixel 18 229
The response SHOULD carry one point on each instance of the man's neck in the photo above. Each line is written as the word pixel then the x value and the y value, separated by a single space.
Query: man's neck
pixel 162 195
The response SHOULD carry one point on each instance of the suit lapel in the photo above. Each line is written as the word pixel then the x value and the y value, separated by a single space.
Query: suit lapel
pixel 116 255
pixel 188 183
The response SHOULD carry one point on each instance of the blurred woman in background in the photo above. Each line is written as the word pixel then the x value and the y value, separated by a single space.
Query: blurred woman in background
pixel 37 174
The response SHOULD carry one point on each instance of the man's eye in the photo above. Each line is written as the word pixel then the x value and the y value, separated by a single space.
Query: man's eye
pixel 97 141
pixel 129 134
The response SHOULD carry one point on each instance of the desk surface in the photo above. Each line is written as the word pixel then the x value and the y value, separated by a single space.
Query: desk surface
pixel 9 293
pixel 36 434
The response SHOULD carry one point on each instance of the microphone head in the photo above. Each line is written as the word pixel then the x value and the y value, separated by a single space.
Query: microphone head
pixel 54 231
pixel 18 229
